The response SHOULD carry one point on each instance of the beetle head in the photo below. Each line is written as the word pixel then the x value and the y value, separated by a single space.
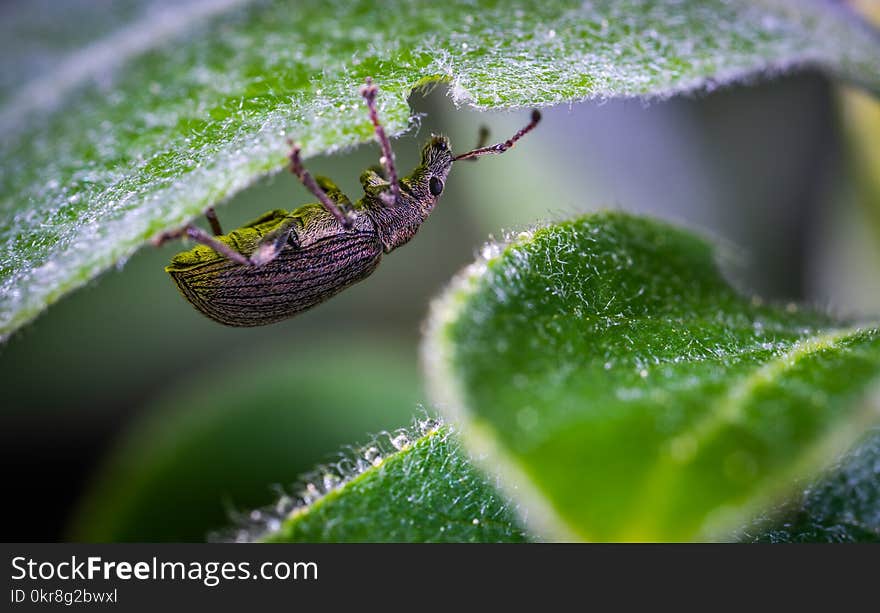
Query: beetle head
pixel 436 162
pixel 437 155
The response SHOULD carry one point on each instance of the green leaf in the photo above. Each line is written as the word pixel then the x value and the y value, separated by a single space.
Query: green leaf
pixel 629 393
pixel 143 129
pixel 219 442
pixel 414 485
pixel 842 506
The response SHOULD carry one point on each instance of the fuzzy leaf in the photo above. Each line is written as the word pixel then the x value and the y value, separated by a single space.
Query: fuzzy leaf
pixel 177 108
pixel 411 486
pixel 842 506
pixel 629 393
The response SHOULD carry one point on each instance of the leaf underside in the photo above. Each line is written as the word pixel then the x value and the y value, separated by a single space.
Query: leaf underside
pixel 630 393
pixel 180 108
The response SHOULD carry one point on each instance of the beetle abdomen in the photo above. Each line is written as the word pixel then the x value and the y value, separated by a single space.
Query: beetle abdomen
pixel 297 279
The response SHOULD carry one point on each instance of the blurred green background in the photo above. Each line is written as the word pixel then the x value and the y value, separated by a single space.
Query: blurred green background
pixel 129 416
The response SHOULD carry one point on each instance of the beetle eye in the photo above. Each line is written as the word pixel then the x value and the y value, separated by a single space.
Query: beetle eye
pixel 435 185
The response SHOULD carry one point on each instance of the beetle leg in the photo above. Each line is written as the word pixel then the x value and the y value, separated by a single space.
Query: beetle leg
pixel 272 244
pixel 334 193
pixel 376 168
pixel 211 214
pixel 368 91
pixel 296 168
pixel 372 181
pixel 200 236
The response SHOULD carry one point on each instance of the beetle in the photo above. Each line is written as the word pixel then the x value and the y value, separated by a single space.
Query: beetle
pixel 286 262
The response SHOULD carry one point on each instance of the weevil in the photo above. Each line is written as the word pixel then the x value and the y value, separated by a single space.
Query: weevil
pixel 286 262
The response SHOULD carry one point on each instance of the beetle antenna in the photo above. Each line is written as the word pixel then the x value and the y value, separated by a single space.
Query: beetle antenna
pixel 501 147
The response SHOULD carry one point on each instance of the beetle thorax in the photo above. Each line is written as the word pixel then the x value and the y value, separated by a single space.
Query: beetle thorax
pixel 419 194
pixel 397 225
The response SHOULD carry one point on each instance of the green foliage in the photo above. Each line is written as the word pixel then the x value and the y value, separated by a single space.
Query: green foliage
pixel 217 443
pixel 841 506
pixel 351 501
pixel 413 486
pixel 629 393
pixel 142 130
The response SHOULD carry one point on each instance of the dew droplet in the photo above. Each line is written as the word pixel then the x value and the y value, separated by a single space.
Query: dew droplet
pixel 372 455
pixel 427 426
pixel 330 481
pixel 282 507
pixel 401 441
